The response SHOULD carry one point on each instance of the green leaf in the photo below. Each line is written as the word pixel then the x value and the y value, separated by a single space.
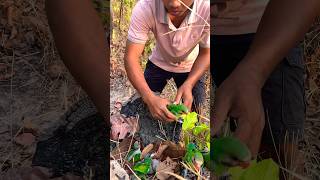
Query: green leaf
pixel 200 128
pixel 264 170
pixel 134 155
pixel 189 121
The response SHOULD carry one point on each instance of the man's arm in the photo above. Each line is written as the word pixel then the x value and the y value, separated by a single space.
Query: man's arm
pixel 157 105
pixel 81 42
pixel 284 23
pixel 200 66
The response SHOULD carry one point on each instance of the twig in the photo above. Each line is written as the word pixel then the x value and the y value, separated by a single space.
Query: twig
pixel 114 141
pixel 194 12
pixel 193 171
pixel 273 141
pixel 181 28
pixel 202 117
pixel 293 173
pixel 175 175
pixel 120 153
pixel 133 172
pixel 132 138
pixel 160 138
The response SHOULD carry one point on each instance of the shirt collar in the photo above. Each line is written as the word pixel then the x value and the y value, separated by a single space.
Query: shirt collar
pixel 163 15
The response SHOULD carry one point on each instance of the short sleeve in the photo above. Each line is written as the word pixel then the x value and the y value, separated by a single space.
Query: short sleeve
pixel 205 41
pixel 140 23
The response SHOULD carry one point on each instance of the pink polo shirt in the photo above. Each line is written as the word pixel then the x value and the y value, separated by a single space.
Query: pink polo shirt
pixel 231 17
pixel 175 51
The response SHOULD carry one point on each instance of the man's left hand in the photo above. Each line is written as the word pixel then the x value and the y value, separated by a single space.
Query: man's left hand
pixel 185 93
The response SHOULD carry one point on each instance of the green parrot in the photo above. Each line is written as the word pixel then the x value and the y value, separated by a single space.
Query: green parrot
pixel 177 109
pixel 226 152
pixel 143 167
pixel 193 157
pixel 134 154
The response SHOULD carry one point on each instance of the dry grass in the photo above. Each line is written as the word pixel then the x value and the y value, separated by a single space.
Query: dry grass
pixel 311 142
pixel 35 86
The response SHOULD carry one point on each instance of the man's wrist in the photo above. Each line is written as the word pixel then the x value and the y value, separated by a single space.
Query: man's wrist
pixel 147 96
pixel 190 82
pixel 250 73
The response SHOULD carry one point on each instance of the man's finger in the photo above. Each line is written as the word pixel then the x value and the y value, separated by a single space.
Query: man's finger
pixel 188 103
pixel 244 131
pixel 178 98
pixel 168 115
pixel 220 112
pixel 254 143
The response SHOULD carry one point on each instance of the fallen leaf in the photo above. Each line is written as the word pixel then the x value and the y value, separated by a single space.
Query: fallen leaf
pixel 160 150
pixel 121 149
pixel 146 150
pixel 117 172
pixel 164 167
pixel 122 126
pixel 25 139
pixel 174 150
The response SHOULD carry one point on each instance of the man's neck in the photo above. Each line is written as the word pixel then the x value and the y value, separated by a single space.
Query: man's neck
pixel 176 21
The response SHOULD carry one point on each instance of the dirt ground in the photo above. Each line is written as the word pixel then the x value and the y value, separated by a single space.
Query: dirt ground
pixel 36 89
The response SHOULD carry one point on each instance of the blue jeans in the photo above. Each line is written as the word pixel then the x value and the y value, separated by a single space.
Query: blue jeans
pixel 157 79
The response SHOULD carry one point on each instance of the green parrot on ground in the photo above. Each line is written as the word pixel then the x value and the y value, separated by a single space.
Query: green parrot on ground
pixel 143 167
pixel 193 157
pixel 226 152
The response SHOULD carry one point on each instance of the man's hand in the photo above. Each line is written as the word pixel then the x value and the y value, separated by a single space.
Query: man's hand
pixel 185 93
pixel 158 108
pixel 240 97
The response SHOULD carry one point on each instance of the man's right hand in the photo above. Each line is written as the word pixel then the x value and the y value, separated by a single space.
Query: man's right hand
pixel 239 96
pixel 158 108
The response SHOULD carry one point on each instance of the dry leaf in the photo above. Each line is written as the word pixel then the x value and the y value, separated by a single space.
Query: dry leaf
pixel 121 149
pixel 121 126
pixel 165 166
pixel 160 150
pixel 174 150
pixel 146 150
pixel 117 172
pixel 25 139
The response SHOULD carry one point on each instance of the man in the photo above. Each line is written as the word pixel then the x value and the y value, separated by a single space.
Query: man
pixel 182 34
pixel 260 80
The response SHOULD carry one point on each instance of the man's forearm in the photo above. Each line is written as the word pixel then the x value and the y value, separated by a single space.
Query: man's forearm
pixel 201 64
pixel 81 42
pixel 283 24
pixel 135 75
